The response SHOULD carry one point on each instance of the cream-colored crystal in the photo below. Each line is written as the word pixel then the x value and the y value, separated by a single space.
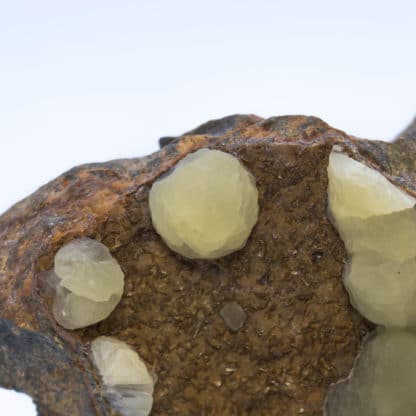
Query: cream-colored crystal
pixel 128 385
pixel 355 190
pixel 206 207
pixel 86 268
pixel 382 382
pixel 377 222
pixel 392 235
pixel 89 283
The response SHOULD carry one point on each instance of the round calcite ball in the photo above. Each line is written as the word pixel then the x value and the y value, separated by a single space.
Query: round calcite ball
pixel 206 207
pixel 88 281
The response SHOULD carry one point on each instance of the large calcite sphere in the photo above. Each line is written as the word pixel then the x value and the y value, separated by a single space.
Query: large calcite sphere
pixel 128 385
pixel 382 382
pixel 207 207
pixel 377 222
pixel 89 283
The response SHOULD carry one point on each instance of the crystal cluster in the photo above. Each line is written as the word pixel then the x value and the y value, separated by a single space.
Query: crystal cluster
pixel 377 222
pixel 382 382
pixel 206 207
pixel 128 385
pixel 89 283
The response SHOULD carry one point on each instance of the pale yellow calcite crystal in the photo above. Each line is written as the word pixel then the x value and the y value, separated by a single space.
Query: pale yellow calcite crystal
pixel 128 385
pixel 377 222
pixel 89 283
pixel 206 207
pixel 356 190
pixel 382 381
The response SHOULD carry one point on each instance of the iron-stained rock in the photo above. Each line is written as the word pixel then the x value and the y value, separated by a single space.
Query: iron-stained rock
pixel 301 335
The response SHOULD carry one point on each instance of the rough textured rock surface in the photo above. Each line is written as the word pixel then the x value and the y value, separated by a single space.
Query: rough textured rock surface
pixel 300 334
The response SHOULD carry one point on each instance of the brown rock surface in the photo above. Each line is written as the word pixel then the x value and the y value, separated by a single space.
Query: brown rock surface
pixel 300 334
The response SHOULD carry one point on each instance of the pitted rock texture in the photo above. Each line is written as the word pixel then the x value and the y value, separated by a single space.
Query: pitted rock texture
pixel 300 335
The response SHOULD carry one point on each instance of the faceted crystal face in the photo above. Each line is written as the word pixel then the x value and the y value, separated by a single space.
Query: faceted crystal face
pixel 86 268
pixel 89 283
pixel 72 311
pixel 377 223
pixel 118 363
pixel 207 207
pixel 382 382
pixel 128 384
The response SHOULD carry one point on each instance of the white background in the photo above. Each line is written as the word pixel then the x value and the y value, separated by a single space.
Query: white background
pixel 84 81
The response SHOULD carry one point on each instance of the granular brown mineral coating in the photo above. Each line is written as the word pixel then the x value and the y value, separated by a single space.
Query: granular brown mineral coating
pixel 301 334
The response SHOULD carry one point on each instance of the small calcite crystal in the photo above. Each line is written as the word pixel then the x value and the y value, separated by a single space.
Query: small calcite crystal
pixel 128 385
pixel 89 283
pixel 377 222
pixel 382 381
pixel 206 207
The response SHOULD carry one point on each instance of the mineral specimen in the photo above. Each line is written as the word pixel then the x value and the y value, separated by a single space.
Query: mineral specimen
pixel 382 381
pixel 128 385
pixel 207 207
pixel 377 222
pixel 89 283
pixel 301 333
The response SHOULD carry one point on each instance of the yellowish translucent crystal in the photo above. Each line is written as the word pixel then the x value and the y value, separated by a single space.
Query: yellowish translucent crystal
pixel 356 190
pixel 89 283
pixel 128 385
pixel 207 206
pixel 377 222
pixel 382 381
